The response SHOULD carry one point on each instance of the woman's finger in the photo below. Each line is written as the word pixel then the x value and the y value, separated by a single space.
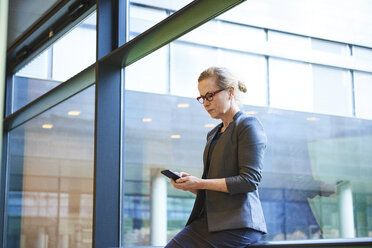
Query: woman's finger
pixel 184 174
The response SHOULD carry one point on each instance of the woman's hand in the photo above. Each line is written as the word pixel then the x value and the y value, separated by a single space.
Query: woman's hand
pixel 193 184
pixel 187 182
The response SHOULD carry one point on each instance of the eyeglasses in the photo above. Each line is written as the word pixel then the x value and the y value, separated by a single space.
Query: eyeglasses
pixel 209 96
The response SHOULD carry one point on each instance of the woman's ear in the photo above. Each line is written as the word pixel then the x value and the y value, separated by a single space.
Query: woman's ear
pixel 231 92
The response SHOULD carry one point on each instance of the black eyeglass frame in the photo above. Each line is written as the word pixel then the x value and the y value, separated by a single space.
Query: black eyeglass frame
pixel 209 96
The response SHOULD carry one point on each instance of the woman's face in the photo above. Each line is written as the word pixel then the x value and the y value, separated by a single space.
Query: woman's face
pixel 220 103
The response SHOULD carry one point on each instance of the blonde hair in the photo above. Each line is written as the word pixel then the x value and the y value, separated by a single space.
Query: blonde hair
pixel 224 79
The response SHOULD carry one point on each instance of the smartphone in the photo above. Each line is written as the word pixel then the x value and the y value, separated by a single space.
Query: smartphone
pixel 170 174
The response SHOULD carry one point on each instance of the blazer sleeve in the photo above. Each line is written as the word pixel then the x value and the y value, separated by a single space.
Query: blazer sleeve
pixel 251 146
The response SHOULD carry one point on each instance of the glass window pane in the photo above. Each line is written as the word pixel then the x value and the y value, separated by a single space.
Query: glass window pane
pixel 185 72
pixel 362 53
pixel 329 47
pixel 288 41
pixel 309 18
pixel 307 170
pixel 65 58
pixel 157 136
pixel 40 67
pixel 142 18
pixel 75 51
pixel 252 71
pixel 332 91
pixel 314 183
pixel 223 34
pixel 239 37
pixel 145 14
pixel 50 161
pixel 149 74
pixel 363 92
pixel 248 68
pixel 305 87
pixel 290 85
pixel 28 89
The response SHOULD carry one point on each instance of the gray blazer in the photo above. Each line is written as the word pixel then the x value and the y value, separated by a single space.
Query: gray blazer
pixel 238 157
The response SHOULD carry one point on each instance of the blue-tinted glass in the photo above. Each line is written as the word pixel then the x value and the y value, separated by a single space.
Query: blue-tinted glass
pixel 50 161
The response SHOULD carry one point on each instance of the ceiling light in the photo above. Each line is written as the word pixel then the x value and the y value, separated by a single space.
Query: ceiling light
pixel 209 125
pixel 183 105
pixel 251 112
pixel 74 112
pixel 175 136
pixel 146 120
pixel 312 118
pixel 47 126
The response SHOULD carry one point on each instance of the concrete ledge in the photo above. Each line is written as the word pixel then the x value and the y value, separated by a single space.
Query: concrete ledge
pixel 356 242
pixel 340 243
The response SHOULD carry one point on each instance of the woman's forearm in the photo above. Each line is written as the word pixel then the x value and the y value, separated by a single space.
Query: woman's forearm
pixel 218 184
pixel 193 184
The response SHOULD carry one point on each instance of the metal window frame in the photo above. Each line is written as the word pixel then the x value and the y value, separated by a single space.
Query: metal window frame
pixel 64 15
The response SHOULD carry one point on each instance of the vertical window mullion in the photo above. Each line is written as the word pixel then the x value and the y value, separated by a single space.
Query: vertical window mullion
pixel 111 33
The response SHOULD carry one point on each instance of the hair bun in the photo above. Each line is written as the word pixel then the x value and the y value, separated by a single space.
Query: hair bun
pixel 242 87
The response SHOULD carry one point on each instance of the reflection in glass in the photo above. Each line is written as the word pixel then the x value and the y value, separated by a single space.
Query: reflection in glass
pixel 50 197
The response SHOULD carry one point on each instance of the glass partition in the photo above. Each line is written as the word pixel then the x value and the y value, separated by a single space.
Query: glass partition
pixel 317 171
pixel 50 161
pixel 316 176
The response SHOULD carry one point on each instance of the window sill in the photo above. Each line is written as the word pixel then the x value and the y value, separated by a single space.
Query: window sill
pixel 355 242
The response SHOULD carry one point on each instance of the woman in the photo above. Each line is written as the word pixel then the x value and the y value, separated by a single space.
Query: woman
pixel 227 210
